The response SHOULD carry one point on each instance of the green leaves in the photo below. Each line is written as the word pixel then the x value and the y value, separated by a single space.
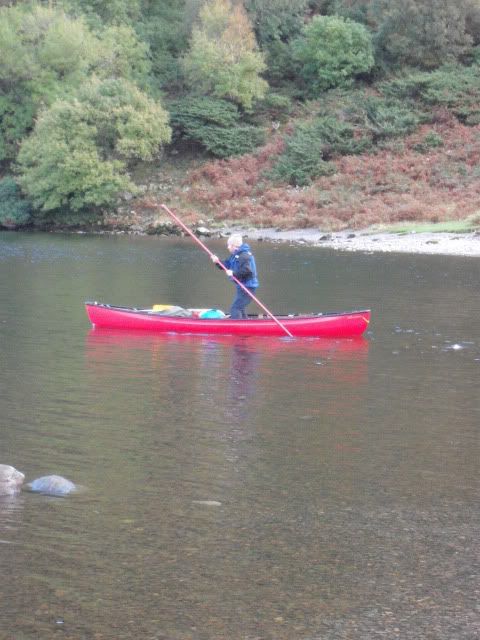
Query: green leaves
pixel 423 34
pixel 78 153
pixel 14 210
pixel 453 87
pixel 46 55
pixel 215 125
pixel 310 147
pixel 332 52
pixel 223 60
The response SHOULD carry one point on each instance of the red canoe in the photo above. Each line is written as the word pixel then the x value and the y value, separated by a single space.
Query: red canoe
pixel 322 325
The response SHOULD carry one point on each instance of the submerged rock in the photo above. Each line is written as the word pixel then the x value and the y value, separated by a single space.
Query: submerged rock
pixel 11 480
pixel 52 486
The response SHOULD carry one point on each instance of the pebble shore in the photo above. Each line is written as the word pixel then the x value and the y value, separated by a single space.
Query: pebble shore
pixel 455 244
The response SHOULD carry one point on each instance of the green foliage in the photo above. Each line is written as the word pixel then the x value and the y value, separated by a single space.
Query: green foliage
pixel 432 140
pixel 373 118
pixel 274 106
pixel 302 159
pixel 43 54
pixel 453 87
pixel 473 21
pixel 332 52
pixel 46 55
pixel 78 152
pixel 276 20
pixel 337 137
pixel 163 27
pixel 215 125
pixel 282 69
pixel 309 148
pixel 387 118
pixel 99 12
pixel 422 34
pixel 120 54
pixel 14 210
pixel 16 117
pixel 222 60
pixel 357 10
pixel 355 123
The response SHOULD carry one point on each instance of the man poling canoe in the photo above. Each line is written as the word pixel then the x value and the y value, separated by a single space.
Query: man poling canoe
pixel 222 266
pixel 241 265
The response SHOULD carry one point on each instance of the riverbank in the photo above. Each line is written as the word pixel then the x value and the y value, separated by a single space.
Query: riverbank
pixel 415 242
pixel 455 244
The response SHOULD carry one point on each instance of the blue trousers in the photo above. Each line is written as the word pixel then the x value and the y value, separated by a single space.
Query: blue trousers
pixel 237 310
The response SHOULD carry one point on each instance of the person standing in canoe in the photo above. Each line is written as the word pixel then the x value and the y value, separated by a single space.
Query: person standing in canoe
pixel 241 265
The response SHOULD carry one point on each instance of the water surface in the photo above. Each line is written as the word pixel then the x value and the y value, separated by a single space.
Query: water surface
pixel 239 488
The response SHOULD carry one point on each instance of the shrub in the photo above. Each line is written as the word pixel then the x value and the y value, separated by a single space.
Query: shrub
pixel 388 118
pixel 14 210
pixel 432 140
pixel 453 87
pixel 338 137
pixel 274 106
pixel 332 52
pixel 215 125
pixel 302 159
pixel 311 145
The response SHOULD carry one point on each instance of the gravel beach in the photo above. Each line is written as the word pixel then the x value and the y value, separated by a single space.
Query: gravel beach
pixel 455 244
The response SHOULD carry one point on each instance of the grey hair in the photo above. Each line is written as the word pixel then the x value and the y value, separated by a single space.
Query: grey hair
pixel 235 240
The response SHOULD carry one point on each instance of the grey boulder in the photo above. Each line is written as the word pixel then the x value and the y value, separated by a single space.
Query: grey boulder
pixel 11 480
pixel 52 486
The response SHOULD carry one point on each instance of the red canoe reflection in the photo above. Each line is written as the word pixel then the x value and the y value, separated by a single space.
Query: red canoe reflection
pixel 347 359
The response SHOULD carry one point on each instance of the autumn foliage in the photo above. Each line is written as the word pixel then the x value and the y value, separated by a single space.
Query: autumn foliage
pixel 410 179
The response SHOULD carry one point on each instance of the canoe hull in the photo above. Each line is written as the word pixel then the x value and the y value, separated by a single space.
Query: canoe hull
pixel 329 325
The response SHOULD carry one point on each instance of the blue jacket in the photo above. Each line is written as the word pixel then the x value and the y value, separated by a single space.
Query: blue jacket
pixel 242 263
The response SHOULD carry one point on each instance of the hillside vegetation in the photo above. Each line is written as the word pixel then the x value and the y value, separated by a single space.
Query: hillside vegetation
pixel 327 113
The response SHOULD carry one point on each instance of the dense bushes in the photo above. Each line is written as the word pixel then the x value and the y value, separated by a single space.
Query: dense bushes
pixel 309 148
pixel 215 125
pixel 422 34
pixel 79 151
pixel 14 210
pixel 385 119
pixel 331 52
pixel 387 186
pixel 302 159
pixel 455 88
pixel 360 124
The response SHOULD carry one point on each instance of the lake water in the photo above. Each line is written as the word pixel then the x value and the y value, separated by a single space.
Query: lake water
pixel 239 488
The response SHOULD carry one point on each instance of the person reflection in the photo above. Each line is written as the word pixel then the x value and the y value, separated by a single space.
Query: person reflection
pixel 242 383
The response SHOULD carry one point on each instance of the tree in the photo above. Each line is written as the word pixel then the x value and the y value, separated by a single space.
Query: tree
pixel 223 60
pixel 276 20
pixel 120 54
pixel 423 33
pixel 357 10
pixel 163 26
pixel 81 147
pixel 99 12
pixel 276 23
pixel 46 55
pixel 43 53
pixel 332 51
pixel 473 21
